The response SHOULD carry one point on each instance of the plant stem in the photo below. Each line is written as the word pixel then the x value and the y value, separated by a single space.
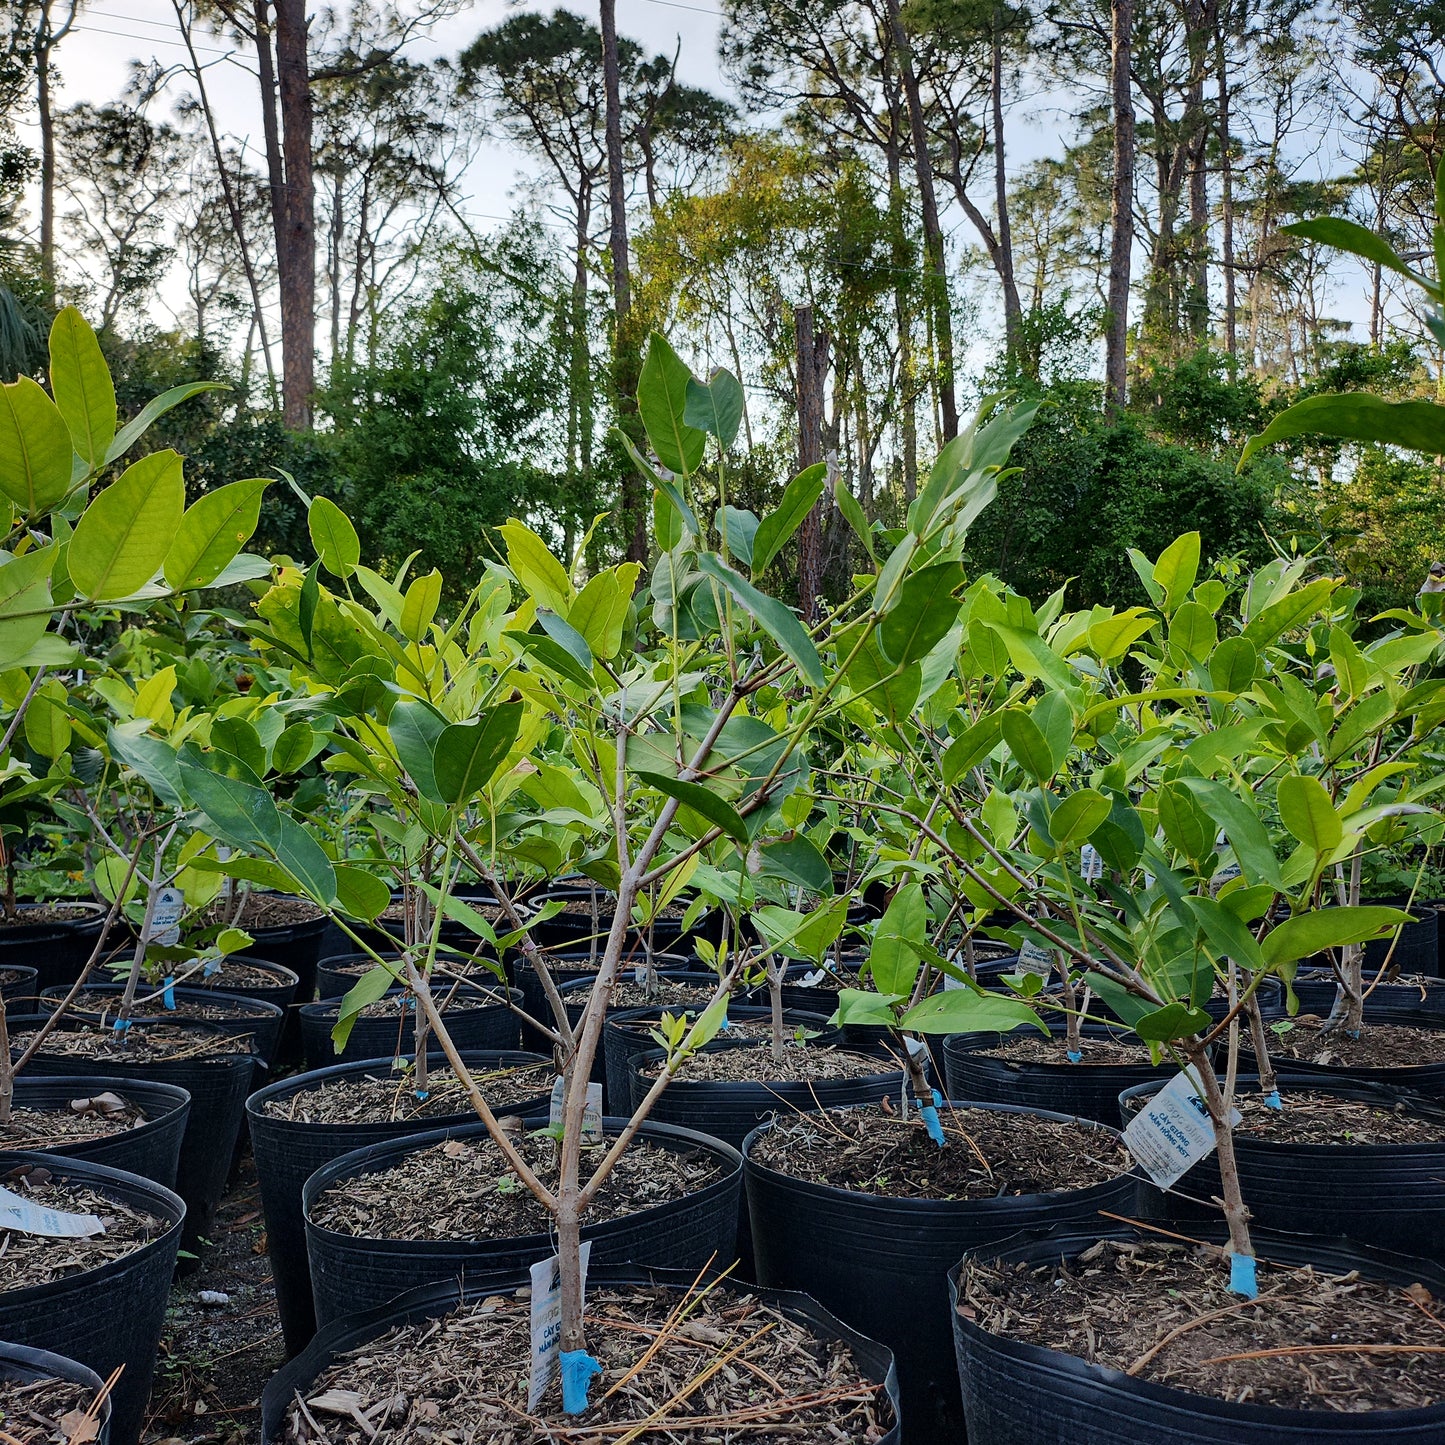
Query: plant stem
pixel 1236 1212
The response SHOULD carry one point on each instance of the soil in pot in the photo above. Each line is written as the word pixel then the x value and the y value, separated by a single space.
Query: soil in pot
pixel 476 1018
pixel 464 1189
pixel 1313 1116
pixel 47 1411
pixel 302 1123
pixel 755 1063
pixel 81 1119
pixel 55 938
pixel 265 911
pixel 1162 1312
pixel 860 1209
pixel 782 1380
pixel 1378 1046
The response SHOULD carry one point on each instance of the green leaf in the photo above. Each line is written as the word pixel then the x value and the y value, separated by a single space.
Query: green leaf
pixel 716 407
pixel 1343 235
pixel 971 747
pixel 862 1008
pixel 35 448
pixel 1241 826
pixel 962 1011
pixel 123 536
pixel 306 861
pixel 370 987
pixel 1291 610
pixel 80 381
pixel 1176 569
pixel 553 656
pixel 1186 825
pixel 567 637
pixel 237 813
pixel 542 576
pixel 662 405
pixel 333 536
pixel 798 499
pixel 1311 933
pixel 600 611
pixel 1305 809
pixel 360 895
pixel 1028 745
pixel 47 723
pixel 157 407
pixel 706 1026
pixel 295 747
pixel 419 605
pixel 1075 820
pixel 922 614
pixel 795 860
pixel 414 728
pixel 893 960
pixel 467 755
pixel 853 514
pixel 737 529
pixel 1232 665
pixel 213 530
pixel 720 813
pixel 1173 1021
pixel 1194 631
pixel 1112 637
pixel 776 620
pixel 24 588
pixel 1357 416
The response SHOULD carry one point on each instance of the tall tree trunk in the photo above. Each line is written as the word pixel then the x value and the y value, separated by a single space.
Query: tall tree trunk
pixel 812 366
pixel 1226 188
pixel 47 37
pixel 1121 241
pixel 903 312
pixel 626 353
pixel 1004 258
pixel 940 307
pixel 296 253
pixel 1200 19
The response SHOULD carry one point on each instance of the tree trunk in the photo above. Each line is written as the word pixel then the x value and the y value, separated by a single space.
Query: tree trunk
pixel 940 307
pixel 812 366
pixel 46 39
pixel 296 253
pixel 626 353
pixel 1226 189
pixel 1121 243
pixel 1200 18
pixel 1004 258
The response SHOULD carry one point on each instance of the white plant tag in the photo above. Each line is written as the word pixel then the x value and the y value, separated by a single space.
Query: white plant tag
pixel 24 1215
pixel 547 1323
pixel 165 924
pixel 591 1111
pixel 1032 956
pixel 1173 1132
pixel 813 979
pixel 1092 863
pixel 228 884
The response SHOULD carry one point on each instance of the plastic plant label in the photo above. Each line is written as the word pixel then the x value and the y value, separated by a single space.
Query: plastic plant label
pixel 1173 1132
pixel 1031 956
pixel 165 924
pixel 547 1323
pixel 27 1217
pixel 1091 863
pixel 591 1111
pixel 228 884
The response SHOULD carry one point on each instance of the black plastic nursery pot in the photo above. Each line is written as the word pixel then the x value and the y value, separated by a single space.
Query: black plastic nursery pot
pixel 882 1264
pixel 1315 989
pixel 151 1148
pixel 217 1083
pixel 731 1110
pixel 476 1018
pixel 108 1316
pixel 338 973
pixel 18 982
pixel 1418 947
pixel 627 1035
pixel 56 948
pixel 279 988
pixel 295 946
pixel 431 1301
pixel 248 1018
pixel 289 1151
pixel 572 973
pixel 1391 1196
pixel 1426 1078
pixel 351 1272
pixel 1016 1393
pixel 20 1365
pixel 1090 1091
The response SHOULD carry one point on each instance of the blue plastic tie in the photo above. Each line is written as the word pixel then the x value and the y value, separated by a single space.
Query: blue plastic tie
pixel 1272 1100
pixel 168 994
pixel 212 968
pixel 1074 1056
pixel 121 1025
pixel 423 1094
pixel 578 1368
pixel 930 1118
pixel 726 1024
pixel 1242 1278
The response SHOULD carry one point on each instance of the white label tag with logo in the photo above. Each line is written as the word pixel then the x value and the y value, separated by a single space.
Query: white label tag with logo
pixel 1092 863
pixel 165 924
pixel 591 1111
pixel 547 1323
pixel 1031 956
pixel 1173 1132
pixel 24 1215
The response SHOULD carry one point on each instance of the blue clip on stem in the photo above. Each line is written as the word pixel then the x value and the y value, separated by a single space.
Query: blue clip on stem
pixel 121 1025
pixel 578 1368
pixel 1074 1056
pixel 1242 1277
pixel 168 994
pixel 930 1118
pixel 1272 1100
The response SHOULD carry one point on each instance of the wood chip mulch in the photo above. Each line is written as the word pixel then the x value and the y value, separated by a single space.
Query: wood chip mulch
pixel 987 1155
pixel 728 1369
pixel 1163 1312
pixel 151 1044
pixel 464 1189
pixel 755 1063
pixel 107 1005
pixel 1312 1117
pixel 1034 1048
pixel 32 1259
pixel 47 1412
pixel 84 1117
pixel 390 1097
pixel 1388 1046
pixel 264 910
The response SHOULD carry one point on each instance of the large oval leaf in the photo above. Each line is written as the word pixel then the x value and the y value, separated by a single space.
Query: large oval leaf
pixel 122 539
pixel 83 390
pixel 212 531
pixel 35 448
